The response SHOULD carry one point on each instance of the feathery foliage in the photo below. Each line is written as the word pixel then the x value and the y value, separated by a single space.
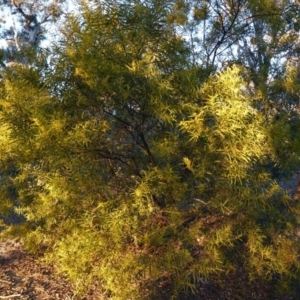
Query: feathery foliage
pixel 136 169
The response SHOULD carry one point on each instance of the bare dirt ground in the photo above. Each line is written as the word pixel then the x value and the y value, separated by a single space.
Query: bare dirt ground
pixel 23 278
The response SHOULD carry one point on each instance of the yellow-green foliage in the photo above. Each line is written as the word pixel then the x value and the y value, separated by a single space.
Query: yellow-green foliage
pixel 131 172
pixel 227 123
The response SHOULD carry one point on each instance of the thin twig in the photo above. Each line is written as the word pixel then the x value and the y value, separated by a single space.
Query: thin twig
pixel 199 200
pixel 5 281
pixel 10 296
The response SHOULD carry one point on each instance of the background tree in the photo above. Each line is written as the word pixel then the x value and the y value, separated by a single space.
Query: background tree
pixel 24 26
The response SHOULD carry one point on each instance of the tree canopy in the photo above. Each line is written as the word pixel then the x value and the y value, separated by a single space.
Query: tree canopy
pixel 145 150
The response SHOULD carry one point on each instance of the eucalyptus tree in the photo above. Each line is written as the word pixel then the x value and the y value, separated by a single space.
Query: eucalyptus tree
pixel 24 25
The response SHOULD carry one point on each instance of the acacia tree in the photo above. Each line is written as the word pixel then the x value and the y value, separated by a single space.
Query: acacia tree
pixel 135 168
pixel 23 27
pixel 262 37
